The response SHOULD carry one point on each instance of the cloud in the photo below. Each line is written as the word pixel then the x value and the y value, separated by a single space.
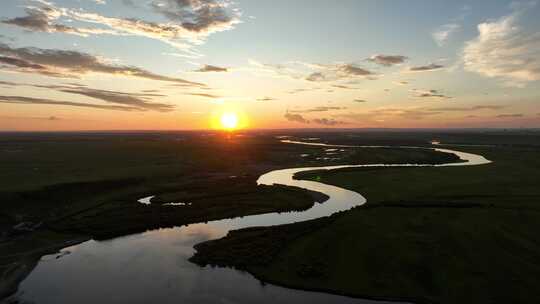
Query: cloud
pixel 37 19
pixel 41 19
pixel 314 72
pixel 418 113
pixel 426 68
pixel 510 115
pixel 388 60
pixel 338 72
pixel 296 118
pixel 204 95
pixel 211 68
pixel 464 109
pixel 389 113
pixel 44 101
pixel 352 70
pixel 360 100
pixel 135 101
pixel 318 109
pixel 442 34
pixel 72 64
pixel 266 98
pixel 429 93
pixel 328 122
pixel 49 118
pixel 190 21
pixel 340 86
pixel 198 15
pixel 317 76
pixel 505 51
pixel 320 121
pixel 20 63
pixel 300 90
pixel 8 83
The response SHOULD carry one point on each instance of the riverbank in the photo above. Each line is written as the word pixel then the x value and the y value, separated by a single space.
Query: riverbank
pixel 466 236
pixel 222 199
pixel 61 205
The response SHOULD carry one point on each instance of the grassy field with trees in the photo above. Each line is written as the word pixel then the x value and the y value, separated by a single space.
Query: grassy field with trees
pixel 433 235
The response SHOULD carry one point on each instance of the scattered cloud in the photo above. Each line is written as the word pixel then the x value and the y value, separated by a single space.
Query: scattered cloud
pixel 318 109
pixel 134 101
pixel 378 115
pixel 266 98
pixel 204 95
pixel 429 93
pixel 190 21
pixel 300 90
pixel 140 101
pixel 314 72
pixel 42 19
pixel 45 101
pixel 505 51
pixel 48 118
pixel 340 86
pixel 198 15
pixel 352 70
pixel 418 113
pixel 211 68
pixel 20 63
pixel 338 72
pixel 73 64
pixel 360 100
pixel 316 76
pixel 465 109
pixel 295 118
pixel 8 83
pixel 426 68
pixel 443 33
pixel 510 115
pixel 328 121
pixel 320 121
pixel 388 60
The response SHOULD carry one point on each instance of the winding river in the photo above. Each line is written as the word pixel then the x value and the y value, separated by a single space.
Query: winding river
pixel 153 267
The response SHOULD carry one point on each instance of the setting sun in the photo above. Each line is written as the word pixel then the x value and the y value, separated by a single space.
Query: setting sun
pixel 229 120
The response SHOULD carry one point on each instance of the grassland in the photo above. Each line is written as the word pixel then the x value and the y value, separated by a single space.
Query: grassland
pixel 70 187
pixel 429 235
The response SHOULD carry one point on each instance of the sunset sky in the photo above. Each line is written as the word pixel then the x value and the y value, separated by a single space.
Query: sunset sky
pixel 177 64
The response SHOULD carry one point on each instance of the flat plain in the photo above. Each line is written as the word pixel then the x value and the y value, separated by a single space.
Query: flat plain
pixel 459 237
